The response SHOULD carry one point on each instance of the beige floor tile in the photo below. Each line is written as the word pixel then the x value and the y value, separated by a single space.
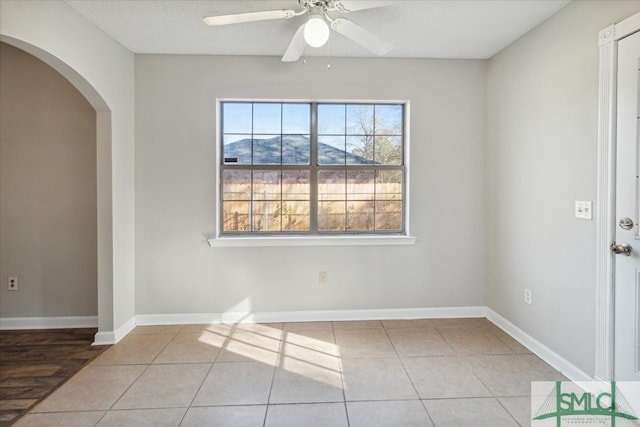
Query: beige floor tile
pixel 405 413
pixel 157 329
pixel 164 386
pixel 300 381
pixel 308 356
pixel 320 342
pixel 469 413
pixel 519 408
pixel 61 419
pixel 357 324
pixel 364 343
pixel 225 416
pixel 509 375
pixel 444 377
pixel 507 339
pixel 473 341
pixel 236 383
pixel 247 346
pixel 406 323
pixel 170 417
pixel 134 349
pixel 221 329
pixel 308 415
pixel 376 379
pixel 308 326
pixel 272 330
pixel 93 388
pixel 192 348
pixel 545 370
pixel 419 342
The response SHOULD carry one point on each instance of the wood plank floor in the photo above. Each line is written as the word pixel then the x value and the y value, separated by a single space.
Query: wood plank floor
pixel 33 363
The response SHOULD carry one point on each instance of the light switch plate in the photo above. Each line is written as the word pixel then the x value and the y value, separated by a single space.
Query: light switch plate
pixel 583 209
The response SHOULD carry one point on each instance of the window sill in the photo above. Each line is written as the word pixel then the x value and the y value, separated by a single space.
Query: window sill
pixel 253 242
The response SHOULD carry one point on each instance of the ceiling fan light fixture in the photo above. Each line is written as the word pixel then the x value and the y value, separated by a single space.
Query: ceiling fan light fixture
pixel 316 31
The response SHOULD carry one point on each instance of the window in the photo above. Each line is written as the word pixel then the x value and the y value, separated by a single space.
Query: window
pixel 312 168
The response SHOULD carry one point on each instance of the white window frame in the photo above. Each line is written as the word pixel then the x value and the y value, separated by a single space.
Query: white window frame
pixel 248 240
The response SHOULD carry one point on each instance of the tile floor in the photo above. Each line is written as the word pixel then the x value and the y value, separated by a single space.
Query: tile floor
pixel 442 372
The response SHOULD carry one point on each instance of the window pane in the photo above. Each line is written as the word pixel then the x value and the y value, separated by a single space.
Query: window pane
pixel 296 119
pixel 296 150
pixel 296 196
pixel 389 200
pixel 331 150
pixel 267 150
pixel 360 119
pixel 360 150
pixel 266 185
pixel 389 185
pixel 388 150
pixel 389 216
pixel 236 191
pixel 266 216
pixel 267 118
pixel 332 216
pixel 360 194
pixel 331 119
pixel 361 185
pixel 331 200
pixel 360 216
pixel 236 149
pixel 236 117
pixel 388 119
pixel 296 185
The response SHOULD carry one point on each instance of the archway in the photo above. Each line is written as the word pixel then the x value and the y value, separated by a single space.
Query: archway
pixel 104 184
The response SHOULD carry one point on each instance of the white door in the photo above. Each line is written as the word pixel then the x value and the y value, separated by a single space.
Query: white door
pixel 627 266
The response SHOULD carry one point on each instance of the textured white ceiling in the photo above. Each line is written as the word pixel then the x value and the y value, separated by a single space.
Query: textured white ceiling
pixel 475 29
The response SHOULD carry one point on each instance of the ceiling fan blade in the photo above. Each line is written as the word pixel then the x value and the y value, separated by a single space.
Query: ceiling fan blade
pixel 356 5
pixel 238 18
pixel 361 36
pixel 296 46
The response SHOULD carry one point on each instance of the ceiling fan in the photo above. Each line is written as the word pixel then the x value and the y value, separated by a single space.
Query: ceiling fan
pixel 315 32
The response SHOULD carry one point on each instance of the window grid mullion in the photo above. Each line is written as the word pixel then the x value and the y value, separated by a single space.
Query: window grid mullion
pixel 313 171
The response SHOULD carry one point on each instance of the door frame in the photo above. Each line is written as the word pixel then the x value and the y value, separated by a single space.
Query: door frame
pixel 605 197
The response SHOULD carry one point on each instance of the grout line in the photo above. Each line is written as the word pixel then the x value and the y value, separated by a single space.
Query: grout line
pixel 404 368
pixel 344 394
pixel 273 374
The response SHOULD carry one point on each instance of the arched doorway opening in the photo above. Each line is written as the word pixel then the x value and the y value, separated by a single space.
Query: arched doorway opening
pixel 103 184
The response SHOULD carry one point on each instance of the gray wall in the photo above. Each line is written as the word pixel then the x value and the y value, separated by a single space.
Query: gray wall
pixel 177 272
pixel 47 191
pixel 542 140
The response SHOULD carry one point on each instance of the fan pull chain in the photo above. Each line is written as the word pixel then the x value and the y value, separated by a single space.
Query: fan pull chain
pixel 329 54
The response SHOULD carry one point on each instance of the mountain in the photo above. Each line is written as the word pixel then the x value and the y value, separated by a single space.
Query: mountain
pixel 295 151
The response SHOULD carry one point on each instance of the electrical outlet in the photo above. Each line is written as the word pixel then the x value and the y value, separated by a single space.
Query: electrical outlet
pixel 12 284
pixel 583 209
pixel 527 296
pixel 323 277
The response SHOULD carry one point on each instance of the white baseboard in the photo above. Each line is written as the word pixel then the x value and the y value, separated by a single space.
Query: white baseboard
pixel 112 337
pixel 310 316
pixel 56 322
pixel 558 362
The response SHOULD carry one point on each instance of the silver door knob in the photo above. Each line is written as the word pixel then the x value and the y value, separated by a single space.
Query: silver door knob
pixel 621 248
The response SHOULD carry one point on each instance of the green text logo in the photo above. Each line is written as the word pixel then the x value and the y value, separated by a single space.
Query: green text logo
pixel 584 406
